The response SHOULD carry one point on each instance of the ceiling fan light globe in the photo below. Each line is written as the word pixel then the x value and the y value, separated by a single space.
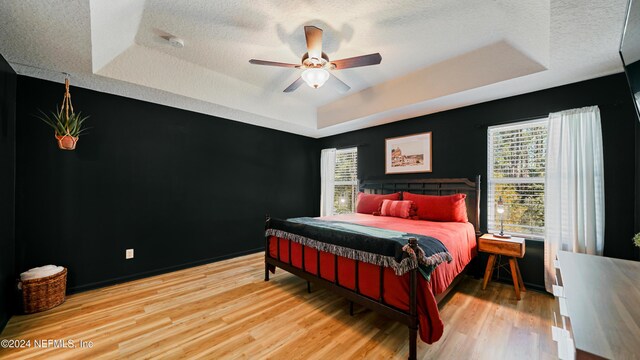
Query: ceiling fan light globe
pixel 315 77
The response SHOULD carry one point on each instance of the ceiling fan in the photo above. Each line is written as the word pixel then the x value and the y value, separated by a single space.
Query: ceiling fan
pixel 317 64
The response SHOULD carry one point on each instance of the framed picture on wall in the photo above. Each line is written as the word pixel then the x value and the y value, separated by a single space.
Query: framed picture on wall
pixel 408 154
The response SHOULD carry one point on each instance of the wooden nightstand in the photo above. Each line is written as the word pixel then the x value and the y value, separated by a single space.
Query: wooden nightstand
pixel 512 248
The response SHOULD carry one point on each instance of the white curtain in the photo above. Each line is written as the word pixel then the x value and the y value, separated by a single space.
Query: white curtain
pixel 574 186
pixel 327 181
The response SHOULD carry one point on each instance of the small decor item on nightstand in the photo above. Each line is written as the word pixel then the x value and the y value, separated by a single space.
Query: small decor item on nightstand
pixel 500 210
pixel 66 124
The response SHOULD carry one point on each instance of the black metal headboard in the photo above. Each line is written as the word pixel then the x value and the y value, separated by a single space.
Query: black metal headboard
pixel 433 187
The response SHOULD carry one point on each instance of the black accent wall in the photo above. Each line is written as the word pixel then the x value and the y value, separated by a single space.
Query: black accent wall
pixel 7 185
pixel 180 188
pixel 460 150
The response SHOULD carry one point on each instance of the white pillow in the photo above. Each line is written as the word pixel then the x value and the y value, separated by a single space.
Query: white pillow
pixel 40 272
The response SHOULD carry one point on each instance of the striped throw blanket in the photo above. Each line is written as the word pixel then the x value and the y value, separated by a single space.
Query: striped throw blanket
pixel 368 244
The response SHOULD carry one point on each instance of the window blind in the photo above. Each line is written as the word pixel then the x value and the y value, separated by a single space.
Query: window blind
pixel 346 181
pixel 516 169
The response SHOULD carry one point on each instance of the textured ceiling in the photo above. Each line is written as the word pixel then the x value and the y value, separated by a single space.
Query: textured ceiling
pixel 436 55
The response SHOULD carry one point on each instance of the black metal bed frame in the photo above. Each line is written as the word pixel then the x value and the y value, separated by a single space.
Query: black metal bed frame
pixel 410 318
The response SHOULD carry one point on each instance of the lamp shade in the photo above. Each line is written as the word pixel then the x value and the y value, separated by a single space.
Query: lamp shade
pixel 315 77
pixel 500 206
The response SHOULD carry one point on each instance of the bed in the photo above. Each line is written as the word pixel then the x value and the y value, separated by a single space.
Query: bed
pixel 409 297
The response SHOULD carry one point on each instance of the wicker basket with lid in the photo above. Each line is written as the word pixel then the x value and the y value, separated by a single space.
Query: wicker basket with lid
pixel 44 293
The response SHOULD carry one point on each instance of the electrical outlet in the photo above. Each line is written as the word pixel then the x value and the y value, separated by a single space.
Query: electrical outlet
pixel 128 254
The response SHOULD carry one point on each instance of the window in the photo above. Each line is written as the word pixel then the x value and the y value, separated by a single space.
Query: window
pixel 516 168
pixel 346 181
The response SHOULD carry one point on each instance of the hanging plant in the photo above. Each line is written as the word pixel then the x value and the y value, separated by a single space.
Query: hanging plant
pixel 66 124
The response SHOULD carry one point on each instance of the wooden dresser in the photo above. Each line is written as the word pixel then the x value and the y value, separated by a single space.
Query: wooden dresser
pixel 599 304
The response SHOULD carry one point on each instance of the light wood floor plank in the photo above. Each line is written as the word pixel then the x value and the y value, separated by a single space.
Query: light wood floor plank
pixel 225 310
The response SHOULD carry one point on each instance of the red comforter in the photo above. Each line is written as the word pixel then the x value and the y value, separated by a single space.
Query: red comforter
pixel 459 238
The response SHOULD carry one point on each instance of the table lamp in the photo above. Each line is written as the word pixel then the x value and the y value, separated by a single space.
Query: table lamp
pixel 500 210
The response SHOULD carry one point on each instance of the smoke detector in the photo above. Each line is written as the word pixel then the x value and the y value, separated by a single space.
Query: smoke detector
pixel 176 42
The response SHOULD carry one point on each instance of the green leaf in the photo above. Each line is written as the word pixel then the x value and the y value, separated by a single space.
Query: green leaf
pixel 63 125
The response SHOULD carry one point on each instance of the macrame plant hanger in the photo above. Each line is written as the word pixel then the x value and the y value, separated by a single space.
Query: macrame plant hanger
pixel 66 101
pixel 66 124
pixel 66 141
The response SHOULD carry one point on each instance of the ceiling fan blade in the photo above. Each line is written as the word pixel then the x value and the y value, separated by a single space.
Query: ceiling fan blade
pixel 294 85
pixel 314 41
pixel 364 60
pixel 342 87
pixel 272 63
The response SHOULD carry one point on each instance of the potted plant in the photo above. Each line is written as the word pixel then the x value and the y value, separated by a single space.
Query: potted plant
pixel 67 128
pixel 636 240
pixel 67 125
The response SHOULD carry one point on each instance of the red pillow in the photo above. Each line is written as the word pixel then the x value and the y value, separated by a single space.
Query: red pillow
pixel 370 203
pixel 439 208
pixel 398 208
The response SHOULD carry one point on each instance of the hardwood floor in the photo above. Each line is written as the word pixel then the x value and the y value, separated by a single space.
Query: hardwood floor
pixel 226 310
